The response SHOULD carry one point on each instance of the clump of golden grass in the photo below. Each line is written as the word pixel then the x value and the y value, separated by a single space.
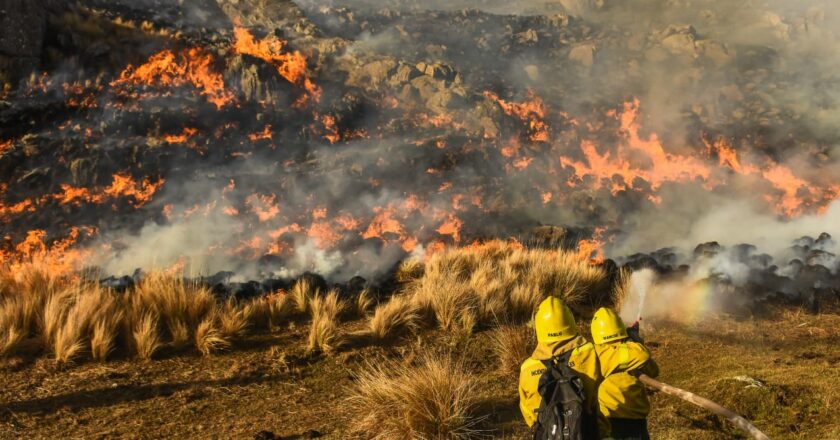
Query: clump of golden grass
pixel 621 289
pixel 433 399
pixel 323 332
pixel 209 338
pixel 363 303
pixel 71 317
pixel 498 281
pixel 16 321
pixel 234 320
pixel 409 270
pixel 512 344
pixel 270 311
pixel 144 335
pixel 24 292
pixel 301 294
pixel 393 318
pixel 92 318
pixel 181 305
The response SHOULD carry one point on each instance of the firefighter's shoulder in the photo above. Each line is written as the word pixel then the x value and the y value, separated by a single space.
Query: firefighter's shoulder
pixel 532 366
pixel 584 349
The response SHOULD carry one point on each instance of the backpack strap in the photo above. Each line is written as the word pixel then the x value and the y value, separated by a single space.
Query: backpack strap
pixel 563 358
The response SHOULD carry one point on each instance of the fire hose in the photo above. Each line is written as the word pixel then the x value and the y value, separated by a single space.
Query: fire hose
pixel 702 402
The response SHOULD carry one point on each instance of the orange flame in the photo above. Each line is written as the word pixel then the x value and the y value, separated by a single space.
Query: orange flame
pixel 532 112
pixel 592 249
pixel 452 227
pixel 783 179
pixel 324 235
pixel 383 223
pixel 180 138
pixel 264 206
pixel 122 186
pixel 290 65
pixel 167 69
pixel 6 146
pixel 57 258
pixel 663 166
pixel 265 134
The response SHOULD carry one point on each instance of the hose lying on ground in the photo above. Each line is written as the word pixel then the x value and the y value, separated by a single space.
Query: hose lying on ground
pixel 737 420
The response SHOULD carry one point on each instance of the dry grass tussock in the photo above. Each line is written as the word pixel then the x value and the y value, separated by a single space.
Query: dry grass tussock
pixel 621 289
pixel 324 335
pixel 512 344
pixel 435 398
pixel 487 284
pixel 73 319
pixel 397 316
pixel 301 295
pixel 271 311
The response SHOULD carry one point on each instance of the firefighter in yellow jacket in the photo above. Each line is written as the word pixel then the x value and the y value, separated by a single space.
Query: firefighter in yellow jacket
pixel 557 333
pixel 622 401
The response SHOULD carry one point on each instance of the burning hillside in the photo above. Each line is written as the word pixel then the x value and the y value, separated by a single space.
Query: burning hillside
pixel 269 140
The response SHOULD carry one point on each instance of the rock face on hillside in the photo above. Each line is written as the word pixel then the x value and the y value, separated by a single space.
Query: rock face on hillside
pixel 22 24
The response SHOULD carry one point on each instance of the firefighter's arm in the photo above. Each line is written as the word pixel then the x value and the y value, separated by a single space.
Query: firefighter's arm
pixel 525 400
pixel 650 368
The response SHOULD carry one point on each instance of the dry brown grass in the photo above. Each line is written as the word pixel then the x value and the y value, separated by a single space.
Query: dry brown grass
pixel 24 291
pixel 92 319
pixel 234 320
pixel 364 301
pixel 269 312
pixel 16 321
pixel 393 318
pixel 323 332
pixel 409 270
pixel 72 318
pixel 434 399
pixel 455 290
pixel 512 344
pixel 464 288
pixel 145 336
pixel 179 304
pixel 301 294
pixel 621 289
pixel 209 338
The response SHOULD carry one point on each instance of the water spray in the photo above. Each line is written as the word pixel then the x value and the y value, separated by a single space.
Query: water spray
pixel 640 285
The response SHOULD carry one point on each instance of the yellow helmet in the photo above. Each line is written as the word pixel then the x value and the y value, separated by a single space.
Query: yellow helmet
pixel 554 321
pixel 607 326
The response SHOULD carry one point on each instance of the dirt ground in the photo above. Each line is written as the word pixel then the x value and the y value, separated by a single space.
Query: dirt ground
pixel 781 372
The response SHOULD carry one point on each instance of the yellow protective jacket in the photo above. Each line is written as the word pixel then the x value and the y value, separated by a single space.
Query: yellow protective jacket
pixel 582 360
pixel 621 394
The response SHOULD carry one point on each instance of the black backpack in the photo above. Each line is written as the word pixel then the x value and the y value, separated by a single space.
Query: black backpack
pixel 563 414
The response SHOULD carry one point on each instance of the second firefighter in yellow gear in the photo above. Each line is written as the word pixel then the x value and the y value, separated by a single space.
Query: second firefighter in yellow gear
pixel 622 400
pixel 557 333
